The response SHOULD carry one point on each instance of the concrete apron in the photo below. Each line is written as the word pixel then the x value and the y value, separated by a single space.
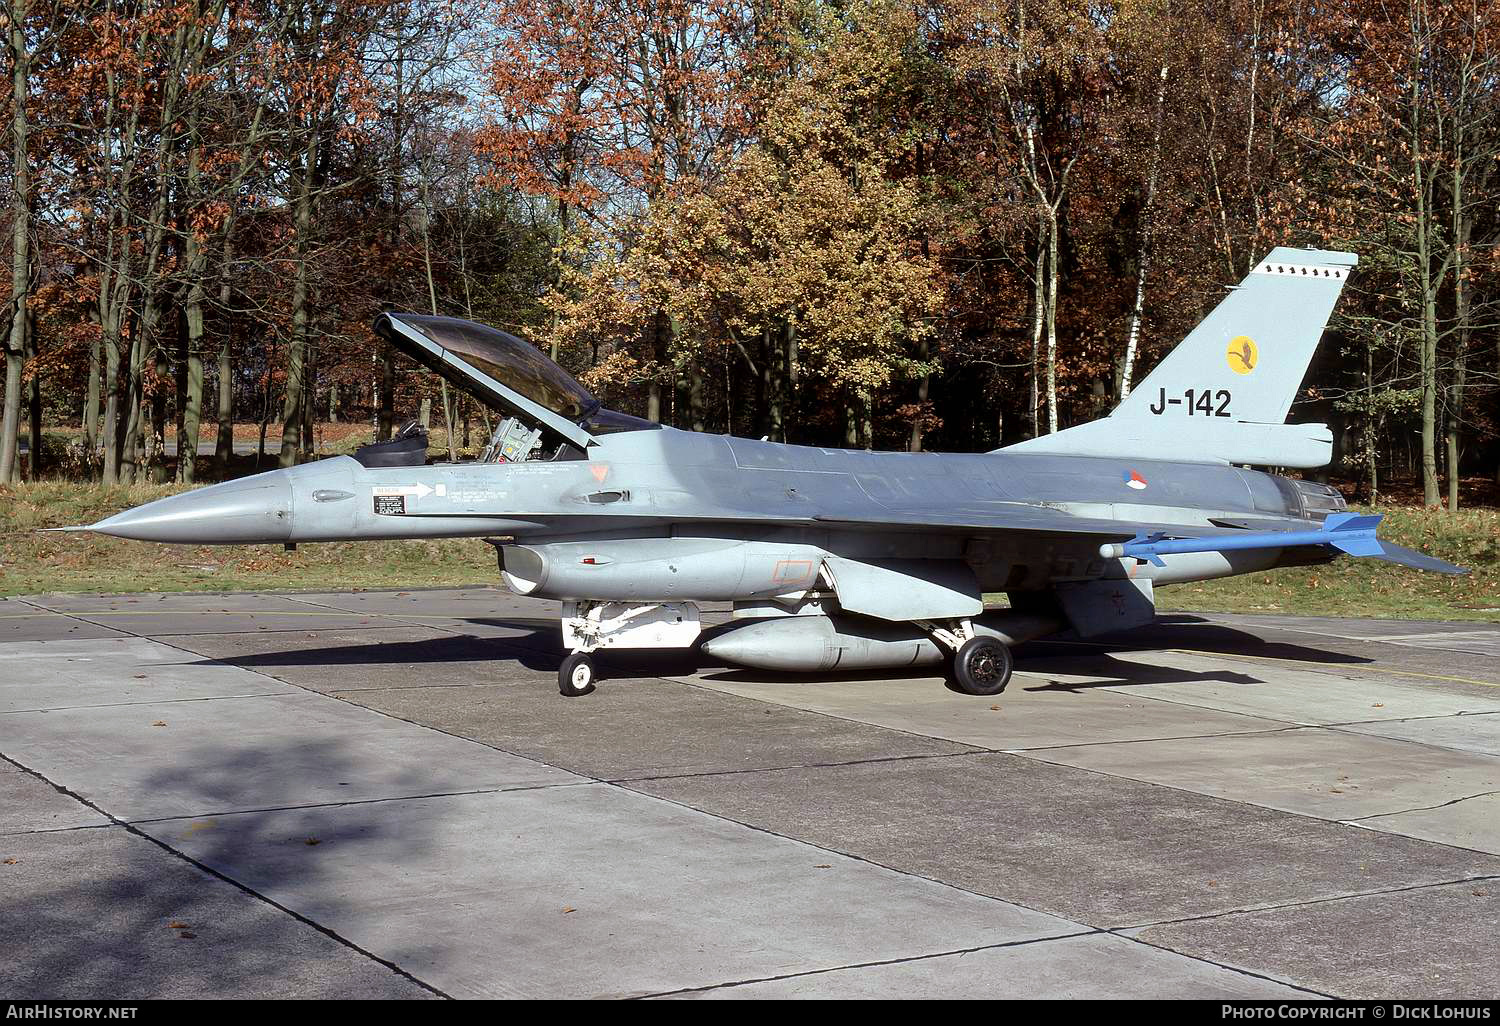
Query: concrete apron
pixel 481 873
pixel 1347 745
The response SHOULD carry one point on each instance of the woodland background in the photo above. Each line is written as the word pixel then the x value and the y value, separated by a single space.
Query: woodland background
pixel 944 224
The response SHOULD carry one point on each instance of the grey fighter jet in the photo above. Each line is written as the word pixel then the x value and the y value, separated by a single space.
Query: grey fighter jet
pixel 837 559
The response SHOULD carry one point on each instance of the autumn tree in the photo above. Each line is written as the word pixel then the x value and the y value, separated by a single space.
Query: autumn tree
pixel 797 259
pixel 1411 143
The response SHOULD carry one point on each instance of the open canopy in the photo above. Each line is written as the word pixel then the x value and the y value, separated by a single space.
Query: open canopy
pixel 506 373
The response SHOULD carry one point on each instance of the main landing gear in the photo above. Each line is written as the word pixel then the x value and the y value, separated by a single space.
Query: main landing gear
pixel 977 664
pixel 981 666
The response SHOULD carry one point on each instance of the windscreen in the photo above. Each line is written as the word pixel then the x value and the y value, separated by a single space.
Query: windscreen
pixel 513 362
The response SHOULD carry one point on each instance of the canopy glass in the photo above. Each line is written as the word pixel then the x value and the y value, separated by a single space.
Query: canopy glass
pixel 513 362
pixel 506 373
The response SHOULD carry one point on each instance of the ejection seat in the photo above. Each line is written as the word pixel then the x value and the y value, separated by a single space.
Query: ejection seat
pixel 407 448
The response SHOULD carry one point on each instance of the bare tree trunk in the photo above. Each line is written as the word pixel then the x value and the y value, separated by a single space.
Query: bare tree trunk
pixel 776 390
pixel 91 398
pixel 432 300
pixel 1463 223
pixel 697 411
pixel 1455 413
pixel 1052 320
pixel 144 342
pixel 34 464
pixel 663 333
pixel 1371 432
pixel 1250 139
pixel 310 389
pixel 265 420
pixel 1143 251
pixel 792 367
pixel 1430 494
pixel 224 444
pixel 1480 163
pixel 1038 301
pixel 130 413
pixel 157 449
pixel 564 209
pixel 924 390
pixel 1429 338
pixel 111 440
pixel 191 414
pixel 115 164
pixel 385 419
pixel 20 252
pixel 924 348
pixel 291 431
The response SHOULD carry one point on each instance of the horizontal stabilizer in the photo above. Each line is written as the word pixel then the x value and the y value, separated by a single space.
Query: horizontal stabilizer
pixel 1302 446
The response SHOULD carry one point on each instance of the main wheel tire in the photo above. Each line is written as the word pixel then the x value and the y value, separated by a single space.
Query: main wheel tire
pixel 982 666
pixel 575 678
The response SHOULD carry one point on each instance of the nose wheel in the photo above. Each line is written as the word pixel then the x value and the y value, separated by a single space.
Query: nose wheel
pixel 576 676
pixel 981 666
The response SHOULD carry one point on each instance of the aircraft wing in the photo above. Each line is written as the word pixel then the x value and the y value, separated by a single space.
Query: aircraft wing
pixel 1349 533
pixel 1017 516
pixel 1000 516
pixel 1022 517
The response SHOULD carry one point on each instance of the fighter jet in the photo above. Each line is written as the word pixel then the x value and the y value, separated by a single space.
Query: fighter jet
pixel 836 559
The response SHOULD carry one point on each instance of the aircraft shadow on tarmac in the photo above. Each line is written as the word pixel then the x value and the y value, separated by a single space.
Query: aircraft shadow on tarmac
pixel 1114 673
pixel 173 932
pixel 1190 634
pixel 539 648
pixel 536 645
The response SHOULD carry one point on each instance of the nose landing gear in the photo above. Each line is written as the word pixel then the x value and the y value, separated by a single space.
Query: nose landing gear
pixel 575 678
pixel 591 625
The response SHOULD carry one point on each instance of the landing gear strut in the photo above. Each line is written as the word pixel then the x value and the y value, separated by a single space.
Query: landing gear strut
pixel 977 663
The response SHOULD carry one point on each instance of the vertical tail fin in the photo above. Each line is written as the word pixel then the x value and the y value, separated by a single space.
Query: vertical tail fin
pixel 1223 393
pixel 1255 346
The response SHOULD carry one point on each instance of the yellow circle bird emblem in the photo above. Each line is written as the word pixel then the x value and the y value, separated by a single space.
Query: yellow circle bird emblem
pixel 1242 354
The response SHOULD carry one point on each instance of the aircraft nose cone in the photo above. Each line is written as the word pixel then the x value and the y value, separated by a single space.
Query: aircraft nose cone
pixel 255 509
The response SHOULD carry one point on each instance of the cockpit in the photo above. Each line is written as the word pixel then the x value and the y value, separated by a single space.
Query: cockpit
pixel 544 412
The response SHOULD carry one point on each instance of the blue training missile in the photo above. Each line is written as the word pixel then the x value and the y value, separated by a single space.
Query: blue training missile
pixel 1351 533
